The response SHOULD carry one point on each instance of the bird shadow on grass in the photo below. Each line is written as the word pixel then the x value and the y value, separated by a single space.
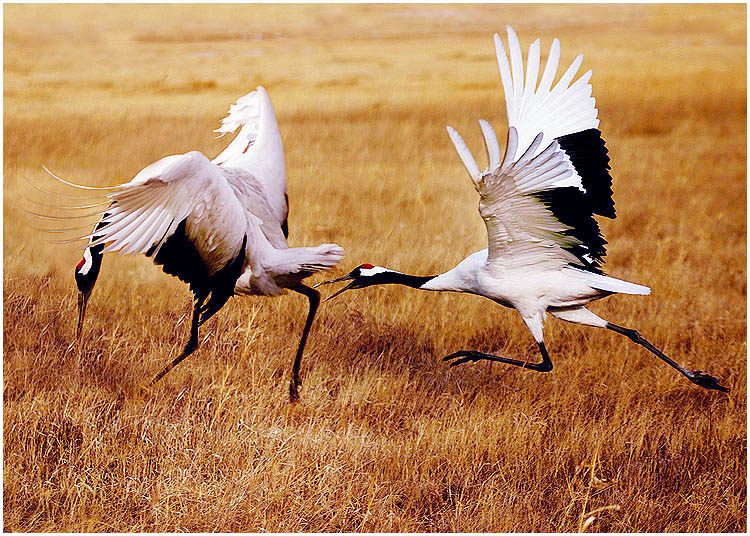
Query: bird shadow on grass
pixel 360 347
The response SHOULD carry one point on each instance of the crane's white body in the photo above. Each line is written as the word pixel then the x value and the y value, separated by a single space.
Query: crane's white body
pixel 562 291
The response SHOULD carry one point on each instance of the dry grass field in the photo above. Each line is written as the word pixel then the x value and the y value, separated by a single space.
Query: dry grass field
pixel 385 437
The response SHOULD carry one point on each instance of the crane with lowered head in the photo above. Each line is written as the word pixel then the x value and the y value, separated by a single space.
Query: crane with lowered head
pixel 218 225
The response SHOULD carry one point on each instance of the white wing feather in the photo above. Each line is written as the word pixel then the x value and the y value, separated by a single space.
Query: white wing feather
pixel 465 154
pixel 521 230
pixel 147 211
pixel 561 110
pixel 257 148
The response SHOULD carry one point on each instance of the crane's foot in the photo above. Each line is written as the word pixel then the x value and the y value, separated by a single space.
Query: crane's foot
pixel 293 391
pixel 466 357
pixel 705 380
pixel 472 355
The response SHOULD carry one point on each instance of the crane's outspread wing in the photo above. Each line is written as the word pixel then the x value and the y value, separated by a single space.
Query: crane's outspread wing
pixel 538 202
pixel 257 148
pixel 181 204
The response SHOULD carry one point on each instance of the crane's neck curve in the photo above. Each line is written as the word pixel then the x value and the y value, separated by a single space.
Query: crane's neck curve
pixel 461 278
pixel 385 276
pixel 391 277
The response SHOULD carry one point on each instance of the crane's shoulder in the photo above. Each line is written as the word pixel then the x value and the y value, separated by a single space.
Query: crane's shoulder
pixel 191 165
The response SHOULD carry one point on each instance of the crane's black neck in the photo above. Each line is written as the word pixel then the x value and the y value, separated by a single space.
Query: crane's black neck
pixel 390 277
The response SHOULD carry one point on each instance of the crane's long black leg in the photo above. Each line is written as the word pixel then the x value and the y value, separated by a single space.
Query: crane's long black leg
pixel 698 377
pixel 191 345
pixel 314 297
pixel 471 355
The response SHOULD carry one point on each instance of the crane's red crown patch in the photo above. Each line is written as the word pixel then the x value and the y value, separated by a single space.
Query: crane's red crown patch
pixel 367 266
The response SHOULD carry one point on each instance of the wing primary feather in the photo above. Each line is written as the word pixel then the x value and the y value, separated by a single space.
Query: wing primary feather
pixel 491 144
pixel 145 231
pixel 63 207
pixel 130 232
pixel 67 241
pixel 510 148
pixel 548 152
pixel 464 153
pixel 576 95
pixel 532 71
pixel 74 185
pixel 44 216
pixel 78 228
pixel 80 197
pixel 516 62
pixel 547 179
pixel 505 76
pixel 117 221
pixel 569 74
pixel 550 68
pixel 120 230
pixel 536 168
pixel 529 153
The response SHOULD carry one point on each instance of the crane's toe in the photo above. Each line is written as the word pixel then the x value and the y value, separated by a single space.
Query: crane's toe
pixel 706 381
pixel 465 355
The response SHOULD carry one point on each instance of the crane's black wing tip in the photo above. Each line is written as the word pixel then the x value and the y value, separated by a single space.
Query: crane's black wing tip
pixel 589 156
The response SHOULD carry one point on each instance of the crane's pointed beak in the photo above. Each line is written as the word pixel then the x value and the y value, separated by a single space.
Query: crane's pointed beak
pixel 353 284
pixel 83 298
pixel 347 277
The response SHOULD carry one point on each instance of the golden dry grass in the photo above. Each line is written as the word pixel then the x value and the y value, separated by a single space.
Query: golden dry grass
pixel 386 437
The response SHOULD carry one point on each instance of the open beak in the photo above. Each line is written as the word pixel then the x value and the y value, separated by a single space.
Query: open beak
pixel 347 277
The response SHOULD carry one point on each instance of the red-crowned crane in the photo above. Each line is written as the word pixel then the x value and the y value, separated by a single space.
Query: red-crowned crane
pixel 219 225
pixel 538 201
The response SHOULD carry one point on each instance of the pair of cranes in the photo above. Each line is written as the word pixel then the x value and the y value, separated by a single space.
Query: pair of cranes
pixel 221 225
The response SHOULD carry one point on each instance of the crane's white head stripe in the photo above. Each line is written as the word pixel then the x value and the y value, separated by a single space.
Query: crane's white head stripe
pixel 86 263
pixel 369 272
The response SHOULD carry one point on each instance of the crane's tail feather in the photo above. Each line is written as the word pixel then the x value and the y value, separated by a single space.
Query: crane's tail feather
pixel 308 260
pixel 322 257
pixel 610 284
